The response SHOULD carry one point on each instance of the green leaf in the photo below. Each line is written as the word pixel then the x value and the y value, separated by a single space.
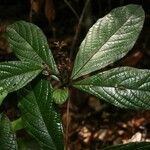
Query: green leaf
pixel 60 95
pixel 3 94
pixel 130 146
pixel 7 135
pixel 124 87
pixel 30 44
pixel 15 74
pixel 17 124
pixel 28 144
pixel 109 39
pixel 40 116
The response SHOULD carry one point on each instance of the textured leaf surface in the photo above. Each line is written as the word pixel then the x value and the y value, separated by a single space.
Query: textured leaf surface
pixel 7 136
pixel 60 95
pixel 14 75
pixel 28 144
pixel 124 87
pixel 3 94
pixel 109 39
pixel 40 116
pixel 131 146
pixel 29 44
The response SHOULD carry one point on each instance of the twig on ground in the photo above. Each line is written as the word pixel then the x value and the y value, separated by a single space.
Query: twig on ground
pixel 72 9
pixel 78 29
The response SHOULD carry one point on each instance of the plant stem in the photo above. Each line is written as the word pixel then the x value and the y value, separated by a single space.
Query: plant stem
pixel 67 123
pixel 30 14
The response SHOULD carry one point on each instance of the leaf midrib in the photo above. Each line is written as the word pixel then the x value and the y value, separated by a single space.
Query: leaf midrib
pixel 21 73
pixel 119 88
pixel 43 118
pixel 103 45
pixel 28 44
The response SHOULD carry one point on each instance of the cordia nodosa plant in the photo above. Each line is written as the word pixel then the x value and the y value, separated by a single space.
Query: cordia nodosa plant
pixel 107 41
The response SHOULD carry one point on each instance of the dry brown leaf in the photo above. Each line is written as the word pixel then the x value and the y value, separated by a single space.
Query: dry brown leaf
pixel 36 4
pixel 133 59
pixel 48 5
pixel 49 10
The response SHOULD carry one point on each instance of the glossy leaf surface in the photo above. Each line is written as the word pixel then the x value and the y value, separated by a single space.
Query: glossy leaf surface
pixel 14 75
pixel 30 44
pixel 40 116
pixel 3 94
pixel 130 146
pixel 124 87
pixel 7 135
pixel 60 95
pixel 109 39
